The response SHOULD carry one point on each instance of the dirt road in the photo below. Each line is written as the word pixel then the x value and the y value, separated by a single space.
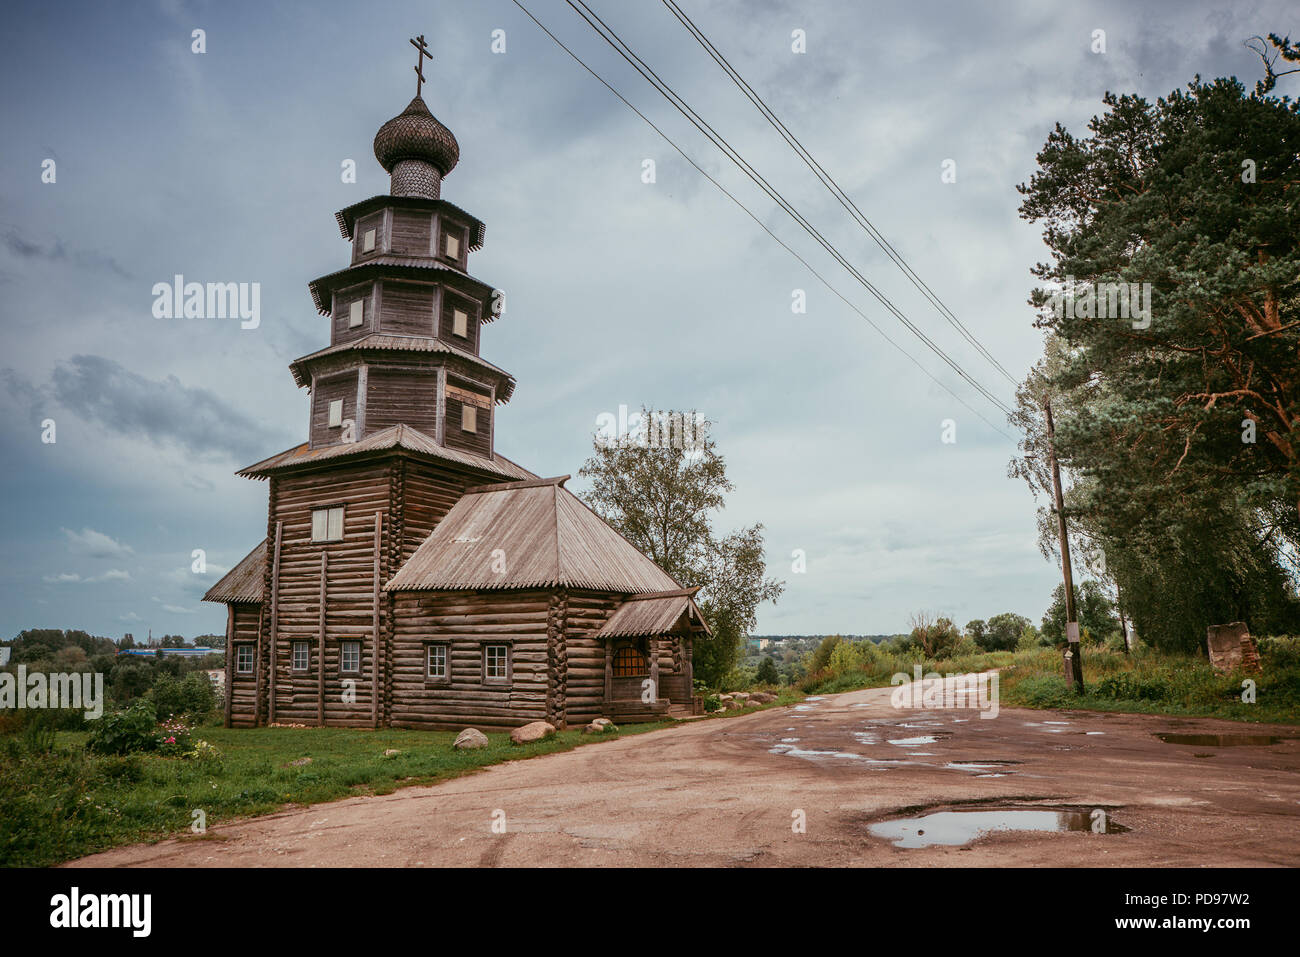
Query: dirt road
pixel 734 791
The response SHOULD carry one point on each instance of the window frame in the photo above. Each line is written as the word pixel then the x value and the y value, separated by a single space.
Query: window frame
pixel 445 648
pixel 343 650
pixel 329 511
pixel 508 678
pixel 357 313
pixel 470 426
pixel 632 648
pixel 459 322
pixel 333 421
pixel 240 648
pixel 452 235
pixel 305 646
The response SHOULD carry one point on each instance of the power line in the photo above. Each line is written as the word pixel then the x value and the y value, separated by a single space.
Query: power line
pixel 722 189
pixel 829 182
pixel 614 40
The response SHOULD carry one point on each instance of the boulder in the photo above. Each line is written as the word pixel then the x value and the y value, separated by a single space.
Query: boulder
pixel 724 697
pixel 762 697
pixel 741 696
pixel 391 752
pixel 535 731
pixel 601 721
pixel 734 705
pixel 596 727
pixel 470 739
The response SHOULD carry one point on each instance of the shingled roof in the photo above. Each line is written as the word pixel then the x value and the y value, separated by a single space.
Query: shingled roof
pixel 244 582
pixel 665 613
pixel 543 534
pixel 394 437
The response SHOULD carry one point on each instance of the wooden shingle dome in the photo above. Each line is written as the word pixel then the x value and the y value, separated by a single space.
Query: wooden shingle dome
pixel 416 151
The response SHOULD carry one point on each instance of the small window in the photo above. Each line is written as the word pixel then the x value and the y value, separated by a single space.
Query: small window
pixel 438 662
pixel 630 662
pixel 460 323
pixel 350 657
pixel 356 313
pixel 468 418
pixel 336 413
pixel 244 659
pixel 368 241
pixel 496 663
pixel 301 656
pixel 327 524
pixel 451 245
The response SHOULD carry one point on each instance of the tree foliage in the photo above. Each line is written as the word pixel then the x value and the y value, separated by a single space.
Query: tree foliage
pixel 1181 428
pixel 662 497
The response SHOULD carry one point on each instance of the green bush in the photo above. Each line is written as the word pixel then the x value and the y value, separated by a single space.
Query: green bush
pixel 124 732
pixel 193 696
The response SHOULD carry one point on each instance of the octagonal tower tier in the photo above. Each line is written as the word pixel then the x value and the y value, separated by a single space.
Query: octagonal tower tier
pixel 406 315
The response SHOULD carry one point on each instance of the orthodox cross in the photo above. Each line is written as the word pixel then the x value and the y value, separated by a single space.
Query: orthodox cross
pixel 423 48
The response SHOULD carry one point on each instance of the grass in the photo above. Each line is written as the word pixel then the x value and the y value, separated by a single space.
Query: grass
pixel 66 802
pixel 59 802
pixel 1145 682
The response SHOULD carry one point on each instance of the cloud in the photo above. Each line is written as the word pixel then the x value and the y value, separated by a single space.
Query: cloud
pixel 178 610
pixel 57 252
pixel 129 616
pixel 95 544
pixel 72 578
pixel 165 411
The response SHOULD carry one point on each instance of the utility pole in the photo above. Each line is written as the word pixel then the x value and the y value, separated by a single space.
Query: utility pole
pixel 1071 659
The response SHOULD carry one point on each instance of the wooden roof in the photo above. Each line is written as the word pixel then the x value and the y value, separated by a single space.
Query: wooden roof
pixel 383 342
pixel 397 268
pixel 244 582
pixel 667 613
pixel 395 437
pixel 347 217
pixel 544 535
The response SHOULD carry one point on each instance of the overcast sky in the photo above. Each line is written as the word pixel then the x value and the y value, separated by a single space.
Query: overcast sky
pixel 224 166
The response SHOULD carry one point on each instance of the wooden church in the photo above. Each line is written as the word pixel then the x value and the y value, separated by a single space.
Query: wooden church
pixel 412 576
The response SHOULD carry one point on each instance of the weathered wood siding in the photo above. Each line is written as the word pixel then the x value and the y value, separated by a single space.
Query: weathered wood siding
pixel 401 396
pixel 341 386
pixel 341 313
pixel 412 232
pixel 450 226
pixel 242 689
pixel 407 308
pixel 479 442
pixel 452 301
pixel 585 685
pixel 348 610
pixel 376 221
pixel 466 622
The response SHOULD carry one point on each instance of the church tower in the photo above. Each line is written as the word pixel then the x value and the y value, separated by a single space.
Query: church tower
pixel 411 575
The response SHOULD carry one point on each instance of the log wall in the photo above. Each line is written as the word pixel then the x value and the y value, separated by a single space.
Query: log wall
pixel 467 621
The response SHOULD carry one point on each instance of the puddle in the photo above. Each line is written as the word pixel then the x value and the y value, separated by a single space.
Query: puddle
pixel 801 753
pixel 913 742
pixel 1094 732
pixel 954 828
pixel 789 740
pixel 980 766
pixel 1221 740
pixel 1056 722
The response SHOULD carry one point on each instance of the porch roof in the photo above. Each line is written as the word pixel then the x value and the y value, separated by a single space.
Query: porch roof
pixel 657 613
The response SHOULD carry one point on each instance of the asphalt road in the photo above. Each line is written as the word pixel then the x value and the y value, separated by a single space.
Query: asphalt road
pixel 734 791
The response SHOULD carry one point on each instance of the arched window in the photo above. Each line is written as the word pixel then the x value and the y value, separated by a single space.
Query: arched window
pixel 630 662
